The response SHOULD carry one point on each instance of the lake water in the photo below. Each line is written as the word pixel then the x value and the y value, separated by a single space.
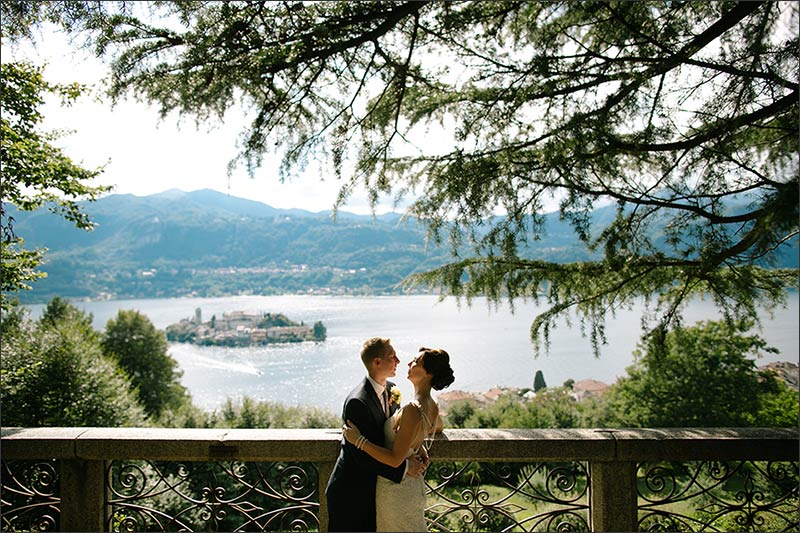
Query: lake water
pixel 488 346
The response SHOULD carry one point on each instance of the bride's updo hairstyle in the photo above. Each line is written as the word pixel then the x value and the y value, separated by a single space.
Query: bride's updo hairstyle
pixel 437 363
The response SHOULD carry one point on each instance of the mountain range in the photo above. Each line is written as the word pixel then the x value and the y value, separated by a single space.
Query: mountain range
pixel 207 243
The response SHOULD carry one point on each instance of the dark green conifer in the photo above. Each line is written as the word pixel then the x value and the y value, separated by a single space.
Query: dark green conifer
pixel 538 381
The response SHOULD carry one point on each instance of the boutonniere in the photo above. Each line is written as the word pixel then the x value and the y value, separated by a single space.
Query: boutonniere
pixel 395 397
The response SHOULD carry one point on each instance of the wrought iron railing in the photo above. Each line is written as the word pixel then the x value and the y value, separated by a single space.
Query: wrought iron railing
pixel 125 479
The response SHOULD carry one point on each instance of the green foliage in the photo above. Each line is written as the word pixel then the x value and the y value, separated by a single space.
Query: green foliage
pixel 59 371
pixel 19 269
pixel 269 496
pixel 21 17
pixel 140 349
pixel 55 374
pixel 251 249
pixel 320 331
pixel 275 320
pixel 554 408
pixel 459 412
pixel 689 126
pixel 251 414
pixel 59 310
pixel 780 408
pixel 35 172
pixel 733 521
pixel 591 289
pixel 702 376
pixel 185 415
pixel 494 519
pixel 538 381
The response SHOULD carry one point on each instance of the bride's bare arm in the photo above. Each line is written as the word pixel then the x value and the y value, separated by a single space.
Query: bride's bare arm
pixel 409 422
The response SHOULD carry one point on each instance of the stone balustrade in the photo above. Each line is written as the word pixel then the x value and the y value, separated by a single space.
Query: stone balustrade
pixel 603 479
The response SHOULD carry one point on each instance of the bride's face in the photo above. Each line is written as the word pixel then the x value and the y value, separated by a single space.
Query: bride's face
pixel 416 370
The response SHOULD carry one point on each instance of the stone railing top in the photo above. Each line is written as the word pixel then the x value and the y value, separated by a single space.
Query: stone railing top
pixel 322 445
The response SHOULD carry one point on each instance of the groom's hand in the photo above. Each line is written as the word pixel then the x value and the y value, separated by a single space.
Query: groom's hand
pixel 416 467
pixel 422 454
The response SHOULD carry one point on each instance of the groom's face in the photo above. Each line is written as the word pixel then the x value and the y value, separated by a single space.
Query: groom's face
pixel 389 362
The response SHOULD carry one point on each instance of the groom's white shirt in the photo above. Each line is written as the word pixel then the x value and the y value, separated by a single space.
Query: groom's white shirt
pixel 377 386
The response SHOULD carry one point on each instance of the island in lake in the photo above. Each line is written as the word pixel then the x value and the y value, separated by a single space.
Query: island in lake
pixel 240 328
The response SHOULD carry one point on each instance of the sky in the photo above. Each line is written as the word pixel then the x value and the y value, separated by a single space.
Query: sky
pixel 145 155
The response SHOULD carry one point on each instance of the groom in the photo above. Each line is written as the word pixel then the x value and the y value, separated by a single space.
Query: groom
pixel 351 488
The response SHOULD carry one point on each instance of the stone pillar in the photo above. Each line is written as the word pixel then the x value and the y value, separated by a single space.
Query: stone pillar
pixel 325 471
pixel 83 502
pixel 613 496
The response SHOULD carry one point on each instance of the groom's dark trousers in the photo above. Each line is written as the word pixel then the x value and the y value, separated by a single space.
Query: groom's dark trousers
pixel 351 488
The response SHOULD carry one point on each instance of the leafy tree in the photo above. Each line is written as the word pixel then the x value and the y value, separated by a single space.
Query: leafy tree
pixel 538 381
pixel 141 350
pixel 53 374
pixel 35 172
pixel 459 412
pixel 21 17
pixel 320 332
pixel 58 310
pixel 702 376
pixel 681 115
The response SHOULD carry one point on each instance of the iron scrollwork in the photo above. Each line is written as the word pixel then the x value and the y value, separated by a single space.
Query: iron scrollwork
pixel 719 496
pixel 218 496
pixel 508 496
pixel 30 500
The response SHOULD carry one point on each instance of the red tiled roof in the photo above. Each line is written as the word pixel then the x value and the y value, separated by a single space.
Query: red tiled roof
pixel 590 385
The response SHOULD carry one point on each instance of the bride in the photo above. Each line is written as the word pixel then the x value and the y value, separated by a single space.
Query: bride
pixel 407 433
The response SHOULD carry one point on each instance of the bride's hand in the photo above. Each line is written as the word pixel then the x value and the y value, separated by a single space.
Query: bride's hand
pixel 351 432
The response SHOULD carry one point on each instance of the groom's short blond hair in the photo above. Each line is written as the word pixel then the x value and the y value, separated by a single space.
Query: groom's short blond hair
pixel 374 348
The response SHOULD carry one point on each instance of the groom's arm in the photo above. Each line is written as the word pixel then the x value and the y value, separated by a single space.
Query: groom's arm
pixel 356 411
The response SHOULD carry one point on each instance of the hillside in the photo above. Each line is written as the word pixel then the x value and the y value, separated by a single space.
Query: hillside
pixel 206 243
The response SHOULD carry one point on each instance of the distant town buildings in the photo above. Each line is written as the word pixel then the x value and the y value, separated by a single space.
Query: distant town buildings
pixel 587 388
pixel 581 390
pixel 788 372
pixel 241 328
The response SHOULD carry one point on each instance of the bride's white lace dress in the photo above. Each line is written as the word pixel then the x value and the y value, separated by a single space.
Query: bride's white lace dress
pixel 401 506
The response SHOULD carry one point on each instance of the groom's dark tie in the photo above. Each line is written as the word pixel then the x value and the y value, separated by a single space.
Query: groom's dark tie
pixel 385 398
